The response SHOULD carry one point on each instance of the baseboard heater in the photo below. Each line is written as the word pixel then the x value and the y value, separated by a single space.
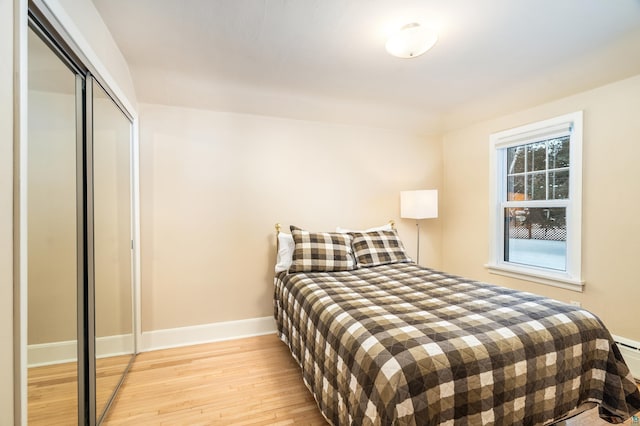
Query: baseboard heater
pixel 630 350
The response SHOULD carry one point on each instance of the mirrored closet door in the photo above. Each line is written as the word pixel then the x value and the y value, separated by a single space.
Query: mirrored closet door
pixel 52 240
pixel 80 309
pixel 112 245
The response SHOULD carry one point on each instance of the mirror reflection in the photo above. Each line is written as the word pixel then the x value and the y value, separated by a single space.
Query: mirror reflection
pixel 52 239
pixel 112 245
pixel 53 206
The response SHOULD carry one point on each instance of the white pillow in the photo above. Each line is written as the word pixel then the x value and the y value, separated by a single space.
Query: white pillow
pixel 286 246
pixel 385 227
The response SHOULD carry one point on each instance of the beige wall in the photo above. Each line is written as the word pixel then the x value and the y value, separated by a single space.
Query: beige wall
pixel 52 228
pixel 213 185
pixel 611 184
pixel 51 217
pixel 6 213
pixel 112 218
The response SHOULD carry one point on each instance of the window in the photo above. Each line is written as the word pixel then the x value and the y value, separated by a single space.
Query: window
pixel 536 190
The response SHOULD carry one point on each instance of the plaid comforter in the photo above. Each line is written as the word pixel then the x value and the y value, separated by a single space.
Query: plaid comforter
pixel 401 344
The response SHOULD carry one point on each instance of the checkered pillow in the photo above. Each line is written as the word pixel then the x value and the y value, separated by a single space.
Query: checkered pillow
pixel 378 248
pixel 321 251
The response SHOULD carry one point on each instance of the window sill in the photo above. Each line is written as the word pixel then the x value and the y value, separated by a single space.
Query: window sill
pixel 561 280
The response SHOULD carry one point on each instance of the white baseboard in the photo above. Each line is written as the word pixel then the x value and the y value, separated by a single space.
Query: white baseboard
pixel 67 351
pixel 52 353
pixel 630 350
pixel 114 345
pixel 61 352
pixel 206 333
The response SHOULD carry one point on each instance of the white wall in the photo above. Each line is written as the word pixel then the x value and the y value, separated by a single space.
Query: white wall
pixel 213 185
pixel 82 21
pixel 611 184
pixel 6 213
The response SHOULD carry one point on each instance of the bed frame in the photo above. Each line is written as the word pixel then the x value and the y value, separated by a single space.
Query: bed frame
pixel 278 227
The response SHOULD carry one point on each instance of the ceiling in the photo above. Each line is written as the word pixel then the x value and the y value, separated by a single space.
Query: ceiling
pixel 325 59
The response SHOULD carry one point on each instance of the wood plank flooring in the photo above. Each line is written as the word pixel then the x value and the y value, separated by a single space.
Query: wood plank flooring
pixel 52 395
pixel 52 390
pixel 252 381
pixel 249 381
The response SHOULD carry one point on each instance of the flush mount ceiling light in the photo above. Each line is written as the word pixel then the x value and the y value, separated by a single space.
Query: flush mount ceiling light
pixel 411 41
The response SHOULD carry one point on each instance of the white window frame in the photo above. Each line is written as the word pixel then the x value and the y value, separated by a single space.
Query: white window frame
pixel 569 124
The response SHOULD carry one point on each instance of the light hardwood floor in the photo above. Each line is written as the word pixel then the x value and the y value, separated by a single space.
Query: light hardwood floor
pixel 251 381
pixel 52 390
pixel 52 393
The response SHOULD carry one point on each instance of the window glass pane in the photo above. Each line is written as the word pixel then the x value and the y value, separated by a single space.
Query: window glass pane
pixel 515 188
pixel 559 185
pixel 536 237
pixel 537 186
pixel 559 153
pixel 537 156
pixel 515 159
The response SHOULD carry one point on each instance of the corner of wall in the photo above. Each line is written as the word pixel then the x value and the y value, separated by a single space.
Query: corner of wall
pixel 85 26
pixel 9 375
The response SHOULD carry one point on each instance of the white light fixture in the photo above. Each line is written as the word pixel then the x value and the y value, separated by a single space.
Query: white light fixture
pixel 411 40
pixel 422 204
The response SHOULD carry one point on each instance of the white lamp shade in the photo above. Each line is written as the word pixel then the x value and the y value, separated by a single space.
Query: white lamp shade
pixel 421 204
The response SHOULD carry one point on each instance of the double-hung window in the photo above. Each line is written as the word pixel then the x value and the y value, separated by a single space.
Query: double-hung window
pixel 536 198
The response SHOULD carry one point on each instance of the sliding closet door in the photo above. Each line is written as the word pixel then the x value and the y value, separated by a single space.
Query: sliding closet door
pixel 52 238
pixel 112 246
pixel 80 325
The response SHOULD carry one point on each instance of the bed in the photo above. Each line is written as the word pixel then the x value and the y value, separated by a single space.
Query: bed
pixel 383 341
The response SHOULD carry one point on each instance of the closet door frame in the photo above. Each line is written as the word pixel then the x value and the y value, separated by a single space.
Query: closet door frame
pixel 43 21
pixel 84 214
pixel 86 274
